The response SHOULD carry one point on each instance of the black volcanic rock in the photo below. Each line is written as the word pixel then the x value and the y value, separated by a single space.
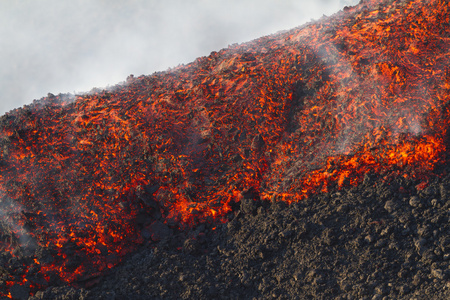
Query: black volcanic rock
pixel 307 250
pixel 307 164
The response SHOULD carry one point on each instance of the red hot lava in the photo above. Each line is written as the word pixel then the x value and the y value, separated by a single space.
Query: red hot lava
pixel 282 117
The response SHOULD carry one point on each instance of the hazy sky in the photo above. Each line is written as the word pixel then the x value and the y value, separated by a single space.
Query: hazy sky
pixel 61 46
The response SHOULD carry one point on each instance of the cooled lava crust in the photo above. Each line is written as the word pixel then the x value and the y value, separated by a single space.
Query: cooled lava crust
pixel 311 163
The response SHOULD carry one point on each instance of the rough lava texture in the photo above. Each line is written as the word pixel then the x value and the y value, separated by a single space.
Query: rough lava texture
pixel 309 164
pixel 379 240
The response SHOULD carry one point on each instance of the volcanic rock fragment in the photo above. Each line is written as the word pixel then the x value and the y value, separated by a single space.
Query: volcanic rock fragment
pixel 157 231
pixel 20 292
pixel 390 206
pixel 438 273
pixel 414 201
pixel 191 246
pixel 257 143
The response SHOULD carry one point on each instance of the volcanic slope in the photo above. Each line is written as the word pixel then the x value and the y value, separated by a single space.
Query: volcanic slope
pixel 348 114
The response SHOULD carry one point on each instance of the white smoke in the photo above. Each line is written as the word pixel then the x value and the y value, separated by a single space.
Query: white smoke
pixel 72 46
pixel 10 212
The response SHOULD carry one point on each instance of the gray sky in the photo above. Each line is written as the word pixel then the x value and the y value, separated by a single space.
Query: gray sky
pixel 61 46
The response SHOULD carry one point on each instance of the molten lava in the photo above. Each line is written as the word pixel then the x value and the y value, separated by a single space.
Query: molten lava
pixel 282 117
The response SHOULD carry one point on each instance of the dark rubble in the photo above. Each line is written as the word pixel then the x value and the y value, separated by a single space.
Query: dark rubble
pixel 378 240
pixel 105 186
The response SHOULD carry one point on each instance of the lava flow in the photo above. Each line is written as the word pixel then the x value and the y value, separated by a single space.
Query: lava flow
pixel 280 118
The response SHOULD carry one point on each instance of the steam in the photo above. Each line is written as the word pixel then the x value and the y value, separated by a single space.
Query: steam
pixel 70 47
pixel 9 214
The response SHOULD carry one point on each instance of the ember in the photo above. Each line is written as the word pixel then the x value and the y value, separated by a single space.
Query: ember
pixel 86 179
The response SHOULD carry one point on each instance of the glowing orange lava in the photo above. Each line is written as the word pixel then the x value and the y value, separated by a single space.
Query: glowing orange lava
pixel 300 112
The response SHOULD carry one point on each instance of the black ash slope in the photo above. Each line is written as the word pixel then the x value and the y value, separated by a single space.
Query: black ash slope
pixel 382 239
pixel 379 240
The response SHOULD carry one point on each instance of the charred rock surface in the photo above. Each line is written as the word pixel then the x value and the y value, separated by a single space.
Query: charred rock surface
pixel 379 240
pixel 309 163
